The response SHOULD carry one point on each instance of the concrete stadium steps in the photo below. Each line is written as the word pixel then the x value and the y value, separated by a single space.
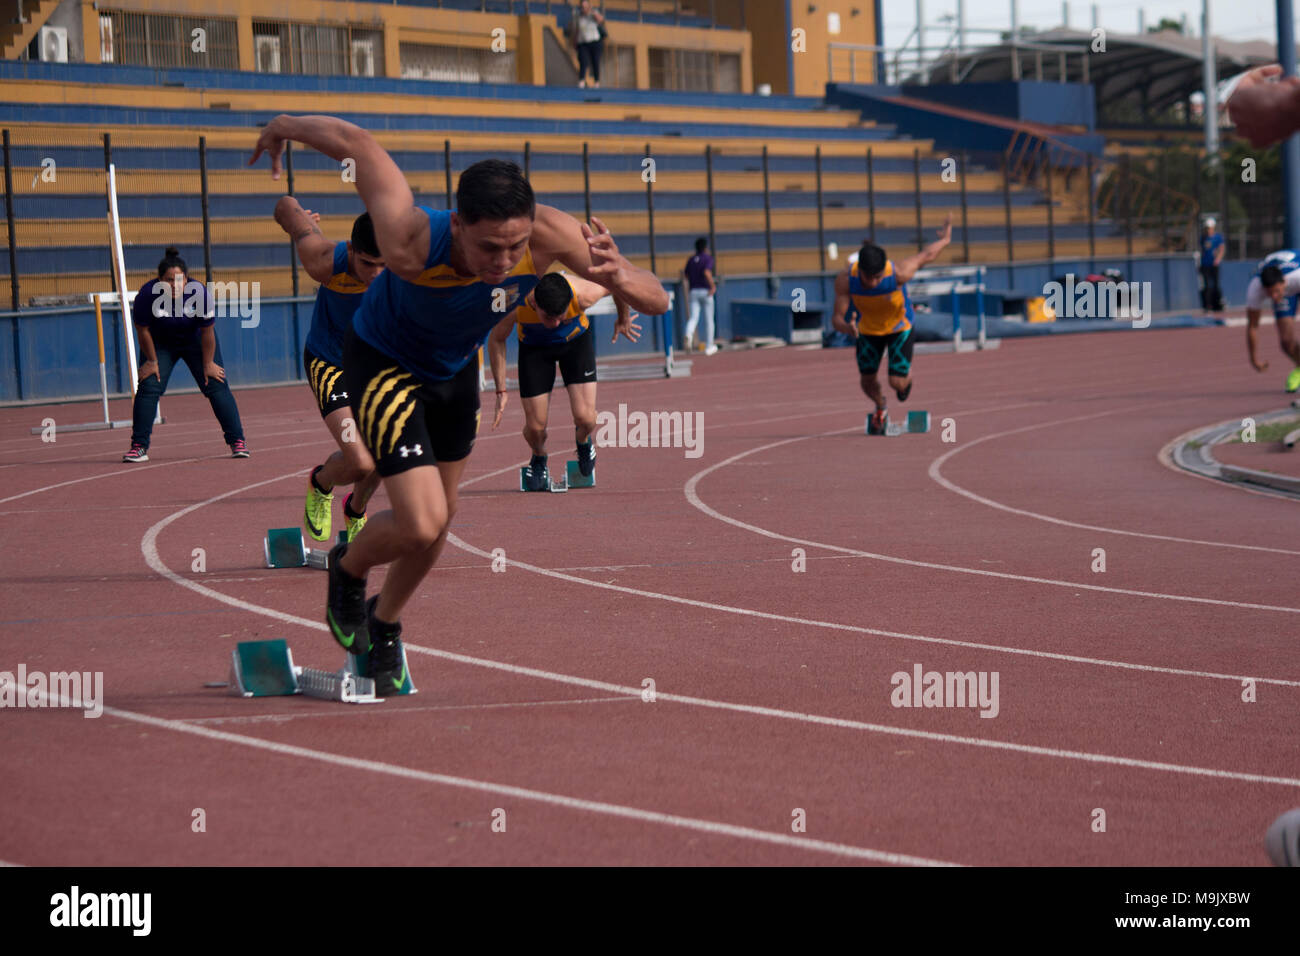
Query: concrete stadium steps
pixel 276 279
pixel 429 143
pixel 39 92
pixel 164 231
pixel 684 125
pixel 250 253
pixel 17 33
pixel 72 181
pixel 43 202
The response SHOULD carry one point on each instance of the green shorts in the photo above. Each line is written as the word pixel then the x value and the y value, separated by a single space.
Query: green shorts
pixel 899 346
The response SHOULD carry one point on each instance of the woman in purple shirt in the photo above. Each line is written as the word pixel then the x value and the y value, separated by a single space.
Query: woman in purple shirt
pixel 174 318
pixel 698 275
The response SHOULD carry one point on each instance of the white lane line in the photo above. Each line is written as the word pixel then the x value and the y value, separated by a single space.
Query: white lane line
pixel 126 469
pixel 336 713
pixel 936 475
pixel 150 551
pixel 693 497
pixel 710 827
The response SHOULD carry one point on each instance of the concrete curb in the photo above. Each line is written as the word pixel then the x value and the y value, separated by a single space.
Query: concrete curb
pixel 1192 452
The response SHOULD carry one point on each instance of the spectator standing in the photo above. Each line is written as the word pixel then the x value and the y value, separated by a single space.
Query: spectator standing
pixel 587 33
pixel 174 318
pixel 698 275
pixel 1212 250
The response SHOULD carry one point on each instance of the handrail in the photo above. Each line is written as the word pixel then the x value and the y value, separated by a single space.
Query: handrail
pixel 1027 151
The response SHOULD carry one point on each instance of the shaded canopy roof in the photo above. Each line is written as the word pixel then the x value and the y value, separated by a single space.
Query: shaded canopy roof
pixel 1160 69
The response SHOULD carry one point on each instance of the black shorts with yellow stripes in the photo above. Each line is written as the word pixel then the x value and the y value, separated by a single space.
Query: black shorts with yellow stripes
pixel 326 383
pixel 404 422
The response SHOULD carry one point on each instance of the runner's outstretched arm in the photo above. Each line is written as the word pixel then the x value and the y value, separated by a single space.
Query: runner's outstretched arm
pixel 591 252
pixel 401 230
pixel 302 225
pixel 905 270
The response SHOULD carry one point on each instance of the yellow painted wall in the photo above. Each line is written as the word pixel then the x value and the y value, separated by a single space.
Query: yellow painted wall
pixel 810 68
pixel 765 21
pixel 524 34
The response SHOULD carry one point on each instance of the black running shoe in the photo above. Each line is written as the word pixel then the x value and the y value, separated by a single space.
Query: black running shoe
pixel 387 661
pixel 587 458
pixel 345 606
pixel 536 475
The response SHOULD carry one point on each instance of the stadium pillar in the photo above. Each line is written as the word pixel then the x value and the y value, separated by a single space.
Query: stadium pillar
pixel 708 184
pixel 1208 83
pixel 207 219
pixel 13 245
pixel 871 193
pixel 920 36
pixel 1291 146
pixel 821 216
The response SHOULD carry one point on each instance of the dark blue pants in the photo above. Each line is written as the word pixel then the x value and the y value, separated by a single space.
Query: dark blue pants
pixel 589 59
pixel 151 389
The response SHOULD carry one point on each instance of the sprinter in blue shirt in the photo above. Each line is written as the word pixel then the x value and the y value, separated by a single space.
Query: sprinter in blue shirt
pixel 409 364
pixel 344 270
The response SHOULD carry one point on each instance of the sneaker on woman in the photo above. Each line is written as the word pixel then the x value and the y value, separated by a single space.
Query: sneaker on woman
pixel 238 449
pixel 137 453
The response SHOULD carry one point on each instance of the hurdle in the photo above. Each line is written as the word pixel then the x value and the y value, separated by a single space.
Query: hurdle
pixel 934 283
pixel 123 300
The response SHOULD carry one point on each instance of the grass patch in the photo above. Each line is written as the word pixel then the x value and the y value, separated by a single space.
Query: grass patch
pixel 1273 431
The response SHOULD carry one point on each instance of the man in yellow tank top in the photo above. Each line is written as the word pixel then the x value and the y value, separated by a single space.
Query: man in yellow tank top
pixel 876 286
pixel 553 328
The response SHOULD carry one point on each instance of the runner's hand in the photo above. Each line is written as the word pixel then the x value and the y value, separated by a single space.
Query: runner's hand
pixel 628 328
pixel 502 398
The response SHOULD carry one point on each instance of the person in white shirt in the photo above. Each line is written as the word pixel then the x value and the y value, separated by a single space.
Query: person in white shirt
pixel 1278 282
pixel 587 32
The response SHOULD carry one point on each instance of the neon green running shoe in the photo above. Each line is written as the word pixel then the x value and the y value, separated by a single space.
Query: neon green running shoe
pixel 1293 380
pixel 317 513
pixel 354 524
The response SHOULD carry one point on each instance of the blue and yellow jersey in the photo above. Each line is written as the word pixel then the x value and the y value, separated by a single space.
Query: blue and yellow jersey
pixel 435 324
pixel 883 310
pixel 533 332
pixel 336 302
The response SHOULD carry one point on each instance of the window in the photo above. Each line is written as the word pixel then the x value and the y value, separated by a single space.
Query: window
pixel 456 64
pixel 318 49
pixel 149 39
pixel 701 70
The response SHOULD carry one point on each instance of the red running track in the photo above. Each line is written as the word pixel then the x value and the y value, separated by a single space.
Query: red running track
pixel 1118 691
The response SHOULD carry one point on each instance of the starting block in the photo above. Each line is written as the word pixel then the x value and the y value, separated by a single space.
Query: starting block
pixel 526 472
pixel 918 423
pixel 287 548
pixel 576 479
pixel 266 669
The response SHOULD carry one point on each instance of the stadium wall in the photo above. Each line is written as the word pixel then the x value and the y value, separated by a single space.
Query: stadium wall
pixel 51 355
pixel 525 34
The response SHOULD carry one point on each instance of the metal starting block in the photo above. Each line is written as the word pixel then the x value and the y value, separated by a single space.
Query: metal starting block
pixel 266 669
pixel 526 472
pixel 576 479
pixel 287 548
pixel 918 423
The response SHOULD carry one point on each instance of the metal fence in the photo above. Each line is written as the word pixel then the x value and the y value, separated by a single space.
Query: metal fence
pixel 763 212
